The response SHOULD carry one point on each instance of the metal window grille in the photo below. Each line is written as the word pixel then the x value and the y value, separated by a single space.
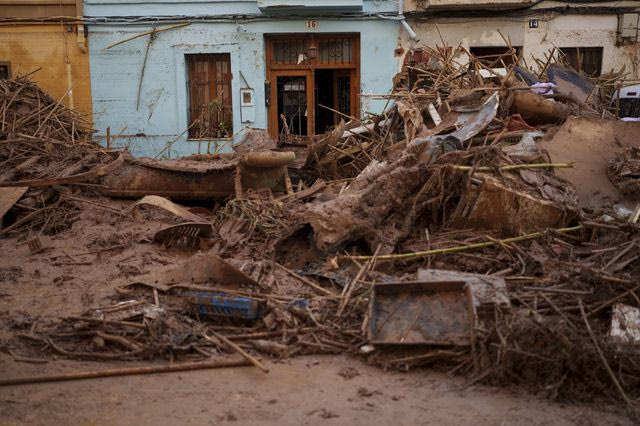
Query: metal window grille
pixel 209 89
pixel 335 51
pixel 330 50
pixel 584 59
pixel 287 51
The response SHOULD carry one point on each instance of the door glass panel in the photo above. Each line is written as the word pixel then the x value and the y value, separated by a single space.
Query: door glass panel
pixel 292 103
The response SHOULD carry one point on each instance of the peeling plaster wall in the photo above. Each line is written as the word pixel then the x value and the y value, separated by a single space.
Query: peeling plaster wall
pixel 411 5
pixel 470 32
pixel 162 115
pixel 559 31
pixel 583 31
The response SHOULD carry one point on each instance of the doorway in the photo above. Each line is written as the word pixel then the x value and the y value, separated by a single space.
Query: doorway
pixel 292 104
pixel 332 98
pixel 312 82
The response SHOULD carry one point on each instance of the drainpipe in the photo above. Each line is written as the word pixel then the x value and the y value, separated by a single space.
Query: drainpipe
pixel 70 84
pixel 403 21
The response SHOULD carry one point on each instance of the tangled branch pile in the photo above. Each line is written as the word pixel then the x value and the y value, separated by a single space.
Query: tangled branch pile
pixel 28 112
pixel 42 139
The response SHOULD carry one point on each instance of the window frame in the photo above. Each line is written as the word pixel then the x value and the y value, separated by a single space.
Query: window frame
pixel 272 39
pixel 565 52
pixel 214 81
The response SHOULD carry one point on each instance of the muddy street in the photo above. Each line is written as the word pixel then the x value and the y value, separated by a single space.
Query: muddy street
pixel 308 390
pixel 465 252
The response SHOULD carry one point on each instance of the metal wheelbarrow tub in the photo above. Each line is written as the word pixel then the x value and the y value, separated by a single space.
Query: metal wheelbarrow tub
pixel 422 313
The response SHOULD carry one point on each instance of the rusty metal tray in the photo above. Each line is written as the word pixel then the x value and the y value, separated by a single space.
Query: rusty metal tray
pixel 422 313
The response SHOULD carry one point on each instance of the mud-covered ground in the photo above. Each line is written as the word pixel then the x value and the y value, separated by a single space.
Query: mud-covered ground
pixel 84 264
pixel 302 391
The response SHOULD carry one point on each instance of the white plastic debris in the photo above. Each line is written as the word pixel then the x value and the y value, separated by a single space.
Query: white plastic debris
pixel 434 114
pixel 526 149
pixel 606 218
pixel 622 212
pixel 625 324
pixel 543 88
pixel 366 349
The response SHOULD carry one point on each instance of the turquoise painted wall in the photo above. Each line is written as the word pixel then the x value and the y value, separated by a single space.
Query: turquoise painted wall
pixel 162 113
pixel 138 8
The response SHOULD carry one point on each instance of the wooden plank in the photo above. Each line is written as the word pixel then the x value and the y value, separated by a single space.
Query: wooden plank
pixel 9 196
pixel 37 2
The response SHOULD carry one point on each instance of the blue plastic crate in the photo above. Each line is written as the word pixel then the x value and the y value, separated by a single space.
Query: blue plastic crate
pixel 224 305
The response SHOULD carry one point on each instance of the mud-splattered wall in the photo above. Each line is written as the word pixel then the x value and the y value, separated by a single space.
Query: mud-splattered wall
pixel 162 114
pixel 463 4
pixel 582 31
pixel 574 30
pixel 48 47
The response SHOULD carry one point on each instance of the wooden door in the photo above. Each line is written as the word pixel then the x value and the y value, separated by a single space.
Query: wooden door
pixel 292 95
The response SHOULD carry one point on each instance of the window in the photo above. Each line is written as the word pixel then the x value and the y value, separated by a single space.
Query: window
pixel 495 57
pixel 209 88
pixel 5 70
pixel 313 50
pixel 584 59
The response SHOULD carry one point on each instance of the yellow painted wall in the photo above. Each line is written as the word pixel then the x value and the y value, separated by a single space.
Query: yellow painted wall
pixel 33 46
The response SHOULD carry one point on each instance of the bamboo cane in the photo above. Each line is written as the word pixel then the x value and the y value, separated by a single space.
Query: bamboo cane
pixel 159 30
pixel 409 256
pixel 517 167
pixel 304 280
pixel 238 349
pixel 81 375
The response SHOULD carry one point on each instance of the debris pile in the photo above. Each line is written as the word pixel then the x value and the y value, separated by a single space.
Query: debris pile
pixel 41 138
pixel 43 143
pixel 438 233
pixel 624 171
pixel 30 113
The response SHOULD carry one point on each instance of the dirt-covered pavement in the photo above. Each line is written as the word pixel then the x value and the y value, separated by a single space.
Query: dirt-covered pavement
pixel 303 391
